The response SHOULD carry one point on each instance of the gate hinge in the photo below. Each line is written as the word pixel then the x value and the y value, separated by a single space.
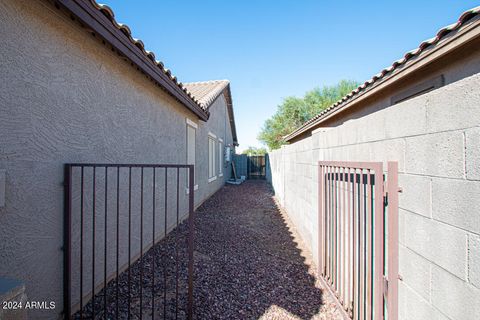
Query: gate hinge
pixel 385 287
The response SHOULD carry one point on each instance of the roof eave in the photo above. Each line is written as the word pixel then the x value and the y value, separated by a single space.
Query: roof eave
pixel 228 97
pixel 94 19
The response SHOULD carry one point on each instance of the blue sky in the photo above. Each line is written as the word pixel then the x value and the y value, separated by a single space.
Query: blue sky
pixel 273 49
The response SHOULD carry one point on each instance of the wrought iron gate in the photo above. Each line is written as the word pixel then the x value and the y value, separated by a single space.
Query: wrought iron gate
pixel 128 241
pixel 356 202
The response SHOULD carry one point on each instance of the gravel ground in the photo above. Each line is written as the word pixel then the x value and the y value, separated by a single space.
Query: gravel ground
pixel 249 264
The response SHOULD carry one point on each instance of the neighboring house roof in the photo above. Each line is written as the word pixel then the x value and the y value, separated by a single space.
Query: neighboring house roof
pixel 207 92
pixel 100 19
pixel 386 74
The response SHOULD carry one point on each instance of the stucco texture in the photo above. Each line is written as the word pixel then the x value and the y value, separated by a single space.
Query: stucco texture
pixel 433 138
pixel 66 97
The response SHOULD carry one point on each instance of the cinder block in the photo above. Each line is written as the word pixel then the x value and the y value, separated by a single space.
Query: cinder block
pixel 454 106
pixel 415 271
pixel 456 202
pixel 440 154
pixel 407 118
pixel 474 260
pixel 370 127
pixel 402 297
pixel 416 195
pixel 318 140
pixel 331 138
pixel 472 153
pixel 456 298
pixel 417 308
pixel 388 150
pixel 442 244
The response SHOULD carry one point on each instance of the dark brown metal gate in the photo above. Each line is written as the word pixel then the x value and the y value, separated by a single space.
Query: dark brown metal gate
pixel 128 241
pixel 256 167
pixel 358 228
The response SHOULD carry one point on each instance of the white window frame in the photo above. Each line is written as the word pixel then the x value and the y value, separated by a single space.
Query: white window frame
pixel 220 157
pixel 212 143
pixel 190 123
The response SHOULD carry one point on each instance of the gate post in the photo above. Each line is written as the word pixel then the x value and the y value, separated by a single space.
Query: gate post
pixel 321 208
pixel 191 229
pixel 67 244
pixel 392 189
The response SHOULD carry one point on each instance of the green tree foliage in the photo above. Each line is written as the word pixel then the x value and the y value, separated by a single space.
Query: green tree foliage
pixel 255 151
pixel 293 111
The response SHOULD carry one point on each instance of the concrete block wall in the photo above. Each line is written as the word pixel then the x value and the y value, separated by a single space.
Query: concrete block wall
pixel 435 138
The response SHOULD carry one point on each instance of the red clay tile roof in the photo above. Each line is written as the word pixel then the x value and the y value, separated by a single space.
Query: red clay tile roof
pixel 206 91
pixel 464 18
pixel 108 12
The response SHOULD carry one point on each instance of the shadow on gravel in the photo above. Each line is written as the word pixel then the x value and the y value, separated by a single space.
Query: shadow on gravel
pixel 247 265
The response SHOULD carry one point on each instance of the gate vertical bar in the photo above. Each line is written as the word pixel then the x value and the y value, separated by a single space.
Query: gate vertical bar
pixel 362 243
pixel 105 248
pixel 378 241
pixel 176 244
pixel 67 242
pixel 335 233
pixel 330 225
pixel 141 244
pixel 118 241
pixel 93 240
pixel 129 236
pixel 356 269
pixel 81 242
pixel 344 237
pixel 327 224
pixel 165 259
pixel 369 246
pixel 153 243
pixel 341 229
pixel 190 241
pixel 392 185
pixel 349 241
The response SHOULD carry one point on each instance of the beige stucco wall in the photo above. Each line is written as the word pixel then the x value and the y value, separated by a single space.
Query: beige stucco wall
pixel 436 140
pixel 65 97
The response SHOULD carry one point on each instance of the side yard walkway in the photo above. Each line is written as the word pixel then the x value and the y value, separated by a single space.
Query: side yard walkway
pixel 247 263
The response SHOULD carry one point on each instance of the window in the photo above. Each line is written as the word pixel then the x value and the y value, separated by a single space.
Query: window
pixel 191 149
pixel 220 157
pixel 211 157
